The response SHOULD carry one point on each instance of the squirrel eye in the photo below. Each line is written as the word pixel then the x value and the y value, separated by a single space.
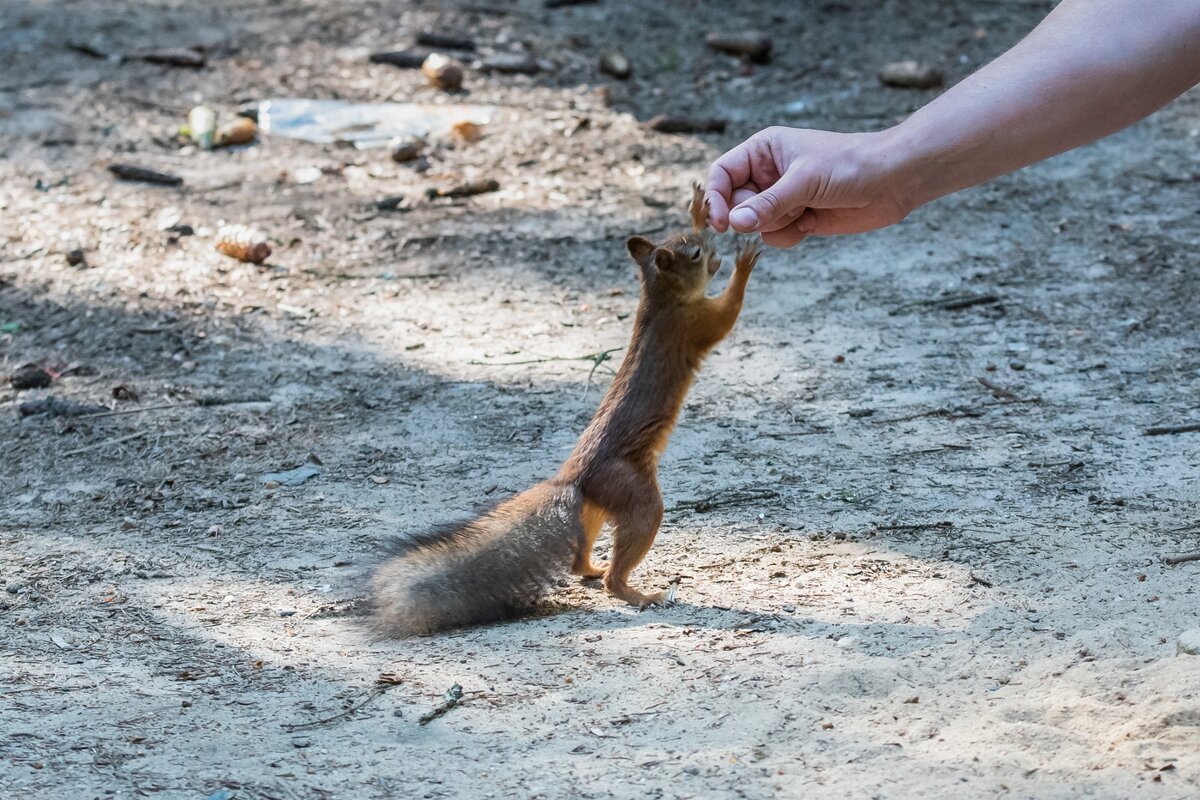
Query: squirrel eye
pixel 696 254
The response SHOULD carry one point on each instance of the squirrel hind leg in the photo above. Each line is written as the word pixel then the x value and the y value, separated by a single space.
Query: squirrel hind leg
pixel 634 533
pixel 698 207
pixel 593 520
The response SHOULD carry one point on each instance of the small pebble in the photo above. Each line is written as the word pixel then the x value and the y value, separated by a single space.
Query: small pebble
pixel 911 75
pixel 167 218
pixel 30 376
pixel 1016 364
pixel 443 72
pixel 287 612
pixel 1189 643
pixel 617 65
pixel 754 46
pixel 406 148
pixel 848 642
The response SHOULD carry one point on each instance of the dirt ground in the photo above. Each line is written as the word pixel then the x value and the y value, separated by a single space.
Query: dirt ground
pixel 897 582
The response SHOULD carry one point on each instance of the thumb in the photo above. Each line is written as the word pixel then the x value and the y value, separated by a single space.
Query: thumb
pixel 777 205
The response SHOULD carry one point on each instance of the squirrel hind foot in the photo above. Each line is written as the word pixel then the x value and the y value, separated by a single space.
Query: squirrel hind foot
pixel 635 598
pixel 591 572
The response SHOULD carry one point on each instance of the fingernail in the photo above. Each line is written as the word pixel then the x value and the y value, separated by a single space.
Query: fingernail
pixel 744 218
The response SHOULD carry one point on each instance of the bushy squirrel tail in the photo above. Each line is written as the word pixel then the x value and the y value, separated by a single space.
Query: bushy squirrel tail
pixel 486 569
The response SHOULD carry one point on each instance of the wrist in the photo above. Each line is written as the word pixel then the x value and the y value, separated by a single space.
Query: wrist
pixel 908 170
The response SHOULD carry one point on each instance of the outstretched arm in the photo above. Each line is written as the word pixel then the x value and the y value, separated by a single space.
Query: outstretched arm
pixel 723 309
pixel 1090 68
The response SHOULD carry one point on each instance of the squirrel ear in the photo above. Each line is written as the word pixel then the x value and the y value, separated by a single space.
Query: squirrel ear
pixel 663 260
pixel 640 248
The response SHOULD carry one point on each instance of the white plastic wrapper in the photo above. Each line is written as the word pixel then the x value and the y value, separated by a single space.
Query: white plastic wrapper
pixel 363 124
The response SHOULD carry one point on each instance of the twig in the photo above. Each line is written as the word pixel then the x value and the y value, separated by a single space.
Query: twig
pixel 1164 430
pixel 975 579
pixel 600 358
pixel 209 401
pixel 997 390
pixel 449 700
pixel 374 693
pixel 961 412
pixel 783 434
pixel 954 302
pixel 347 276
pixel 916 526
pixel 719 500
pixel 135 172
pixel 125 411
pixel 595 358
pixel 1183 557
pixel 217 187
pixel 1066 462
pixel 106 442
pixel 930 450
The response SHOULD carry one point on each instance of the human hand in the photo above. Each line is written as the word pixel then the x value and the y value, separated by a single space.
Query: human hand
pixel 790 183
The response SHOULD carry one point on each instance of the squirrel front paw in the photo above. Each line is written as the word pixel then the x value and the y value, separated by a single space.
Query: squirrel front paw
pixel 748 251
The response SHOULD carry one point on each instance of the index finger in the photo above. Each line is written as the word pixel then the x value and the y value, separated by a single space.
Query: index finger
pixel 727 173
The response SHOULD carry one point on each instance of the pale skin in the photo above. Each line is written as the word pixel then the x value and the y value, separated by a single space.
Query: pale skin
pixel 1091 68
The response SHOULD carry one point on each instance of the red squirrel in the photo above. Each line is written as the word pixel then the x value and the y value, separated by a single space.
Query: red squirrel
pixel 495 565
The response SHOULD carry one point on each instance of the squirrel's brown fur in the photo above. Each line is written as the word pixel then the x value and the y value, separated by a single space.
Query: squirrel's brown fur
pixel 490 567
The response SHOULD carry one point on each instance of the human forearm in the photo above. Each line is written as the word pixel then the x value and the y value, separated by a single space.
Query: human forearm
pixel 1091 68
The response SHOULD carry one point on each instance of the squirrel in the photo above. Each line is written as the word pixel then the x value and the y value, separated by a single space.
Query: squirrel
pixel 492 567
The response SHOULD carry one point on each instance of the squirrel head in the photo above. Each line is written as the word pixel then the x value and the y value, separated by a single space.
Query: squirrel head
pixel 682 265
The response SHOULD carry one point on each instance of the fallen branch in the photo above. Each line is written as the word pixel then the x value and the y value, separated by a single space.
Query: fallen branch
pixel 595 358
pixel 719 500
pixel 56 407
pixel 954 302
pixel 126 411
pixel 1183 558
pixel 997 390
pixel 959 412
pixel 1163 430
pixel 384 682
pixel 916 526
pixel 106 442
pixel 133 172
pixel 210 401
pixel 785 434
pixel 449 700
pixel 600 358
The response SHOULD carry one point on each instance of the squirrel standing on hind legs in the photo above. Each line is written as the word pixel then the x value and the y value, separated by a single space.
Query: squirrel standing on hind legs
pixel 491 567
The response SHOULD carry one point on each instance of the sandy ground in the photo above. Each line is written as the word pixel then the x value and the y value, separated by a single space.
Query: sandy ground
pixel 896 581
